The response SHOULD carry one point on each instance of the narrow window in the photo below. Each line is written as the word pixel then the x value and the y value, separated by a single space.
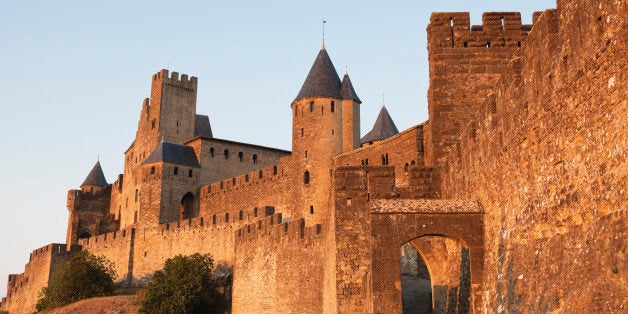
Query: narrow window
pixel 241 214
pixel 233 181
pixel 386 158
pixel 333 106
pixel 306 154
pixel 274 169
pixel 137 194
pixel 152 124
pixel 190 173
pixel 311 209
pixel 246 177
pixel 255 211
pixel 296 112
pixel 240 156
pixel 254 158
pixel 311 106
pixel 134 217
pixel 211 152
pixel 412 163
pixel 302 132
pixel 332 131
pixel 226 217
pixel 176 171
pixel 383 160
pixel 306 177
pixel 152 170
pixel 226 154
pixel 261 174
pixel 405 167
pixel 214 219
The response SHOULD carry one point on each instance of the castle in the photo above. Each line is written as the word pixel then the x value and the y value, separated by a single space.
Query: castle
pixel 513 192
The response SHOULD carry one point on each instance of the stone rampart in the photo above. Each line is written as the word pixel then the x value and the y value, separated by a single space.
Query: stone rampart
pixel 546 157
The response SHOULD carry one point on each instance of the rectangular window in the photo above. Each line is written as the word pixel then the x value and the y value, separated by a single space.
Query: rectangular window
pixel 311 106
pixel 333 106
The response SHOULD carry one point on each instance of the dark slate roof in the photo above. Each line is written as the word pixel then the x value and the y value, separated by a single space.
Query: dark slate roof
pixel 95 177
pixel 323 80
pixel 347 91
pixel 384 128
pixel 173 153
pixel 202 126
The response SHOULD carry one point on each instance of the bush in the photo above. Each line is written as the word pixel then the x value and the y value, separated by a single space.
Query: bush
pixel 184 285
pixel 83 276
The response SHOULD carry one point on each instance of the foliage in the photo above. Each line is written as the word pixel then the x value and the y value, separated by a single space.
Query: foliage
pixel 83 276
pixel 184 285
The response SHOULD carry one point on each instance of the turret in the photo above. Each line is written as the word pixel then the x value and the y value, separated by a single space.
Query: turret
pixel 350 115
pixel 95 180
pixel 383 128
pixel 317 132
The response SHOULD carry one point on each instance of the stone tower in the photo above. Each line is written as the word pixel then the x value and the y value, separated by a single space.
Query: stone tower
pixel 350 116
pixel 318 132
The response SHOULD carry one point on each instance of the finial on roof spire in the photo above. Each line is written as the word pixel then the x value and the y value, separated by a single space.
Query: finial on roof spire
pixel 346 70
pixel 98 158
pixel 323 46
pixel 383 100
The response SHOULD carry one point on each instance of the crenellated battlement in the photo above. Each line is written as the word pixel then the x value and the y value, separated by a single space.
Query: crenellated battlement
pixel 498 29
pixel 173 79
pixel 266 174
pixel 273 227
pixel 110 237
pixel 53 249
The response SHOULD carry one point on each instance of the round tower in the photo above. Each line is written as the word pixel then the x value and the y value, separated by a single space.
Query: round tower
pixel 317 136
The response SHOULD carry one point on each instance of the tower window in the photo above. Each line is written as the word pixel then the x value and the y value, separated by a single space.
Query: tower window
pixel 241 215
pixel 302 132
pixel 152 170
pixel 226 217
pixel 311 209
pixel 311 106
pixel 333 106
pixel 240 156
pixel 152 124
pixel 306 154
pixel 226 154
pixel 255 211
pixel 274 169
pixel 211 152
pixel 296 110
pixel 176 171
pixel 137 194
pixel 190 173
pixel 306 177
pixel 261 174
pixel 254 158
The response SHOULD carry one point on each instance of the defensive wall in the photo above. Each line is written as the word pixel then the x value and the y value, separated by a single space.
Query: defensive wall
pixel 279 267
pixel 23 289
pixel 546 157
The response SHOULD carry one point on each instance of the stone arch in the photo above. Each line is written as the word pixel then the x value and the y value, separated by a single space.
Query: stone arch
pixel 448 286
pixel 188 208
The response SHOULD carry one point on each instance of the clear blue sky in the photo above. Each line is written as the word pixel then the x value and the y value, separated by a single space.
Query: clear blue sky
pixel 73 75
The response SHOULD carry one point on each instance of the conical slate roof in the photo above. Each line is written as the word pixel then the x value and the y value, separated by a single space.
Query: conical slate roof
pixel 323 80
pixel 347 91
pixel 384 128
pixel 95 177
pixel 173 153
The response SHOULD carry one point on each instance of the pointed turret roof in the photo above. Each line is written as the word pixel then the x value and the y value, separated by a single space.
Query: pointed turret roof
pixel 323 80
pixel 202 126
pixel 347 91
pixel 384 128
pixel 173 153
pixel 95 177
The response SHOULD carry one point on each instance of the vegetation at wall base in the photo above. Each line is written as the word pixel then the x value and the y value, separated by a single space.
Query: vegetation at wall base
pixel 83 276
pixel 184 285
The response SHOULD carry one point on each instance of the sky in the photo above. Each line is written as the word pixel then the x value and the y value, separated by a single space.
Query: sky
pixel 73 75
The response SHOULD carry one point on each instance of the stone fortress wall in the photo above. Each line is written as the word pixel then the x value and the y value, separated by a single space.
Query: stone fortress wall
pixel 522 161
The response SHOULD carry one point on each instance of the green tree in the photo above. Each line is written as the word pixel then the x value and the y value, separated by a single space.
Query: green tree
pixel 83 276
pixel 184 285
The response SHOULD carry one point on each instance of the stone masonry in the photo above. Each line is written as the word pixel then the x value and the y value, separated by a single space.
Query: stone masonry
pixel 513 192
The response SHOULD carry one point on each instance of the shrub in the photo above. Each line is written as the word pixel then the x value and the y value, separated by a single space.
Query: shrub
pixel 184 285
pixel 83 276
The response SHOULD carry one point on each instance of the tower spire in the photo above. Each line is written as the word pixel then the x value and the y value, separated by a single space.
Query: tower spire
pixel 323 46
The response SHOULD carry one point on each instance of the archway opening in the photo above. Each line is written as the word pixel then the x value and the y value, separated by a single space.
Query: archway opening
pixel 438 279
pixel 188 207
